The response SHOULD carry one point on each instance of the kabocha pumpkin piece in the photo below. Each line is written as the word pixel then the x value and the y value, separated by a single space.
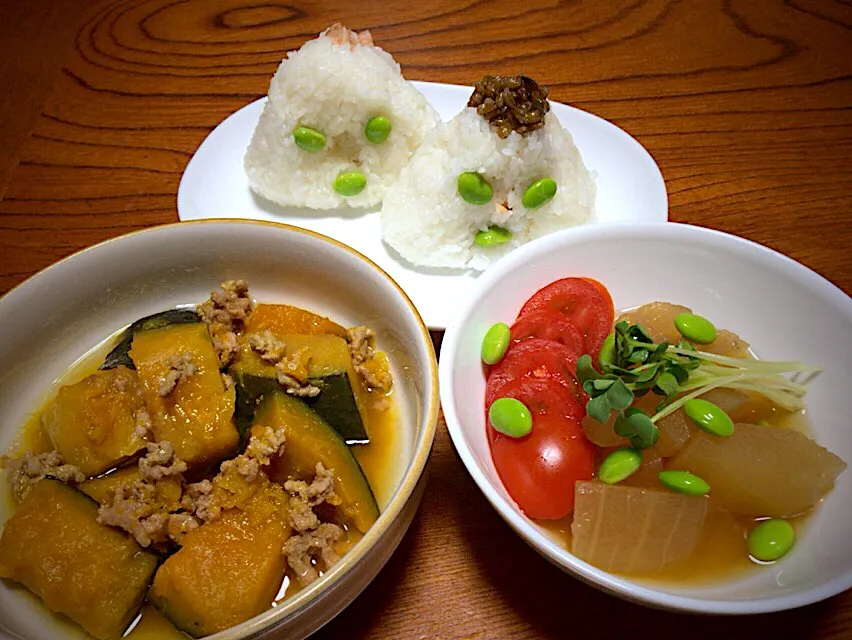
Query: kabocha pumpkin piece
pixel 229 569
pixel 183 390
pixel 119 355
pixel 310 439
pixel 284 319
pixel 93 423
pixel 168 490
pixel 94 574
pixel 341 399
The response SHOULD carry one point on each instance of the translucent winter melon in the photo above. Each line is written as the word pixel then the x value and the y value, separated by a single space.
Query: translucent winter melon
pixel 634 530
pixel 761 471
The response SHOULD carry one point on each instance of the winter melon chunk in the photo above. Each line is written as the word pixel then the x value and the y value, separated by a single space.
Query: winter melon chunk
pixel 762 471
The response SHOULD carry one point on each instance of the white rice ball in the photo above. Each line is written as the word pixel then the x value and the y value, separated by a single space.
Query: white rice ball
pixel 335 84
pixel 429 224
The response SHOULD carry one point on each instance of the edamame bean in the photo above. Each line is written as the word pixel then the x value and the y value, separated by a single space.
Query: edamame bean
pixel 350 183
pixel 606 355
pixel 511 417
pixel 709 417
pixel 309 139
pixel 619 465
pixel 473 188
pixel 771 540
pixel 378 129
pixel 495 343
pixel 493 236
pixel 538 193
pixel 696 328
pixel 684 482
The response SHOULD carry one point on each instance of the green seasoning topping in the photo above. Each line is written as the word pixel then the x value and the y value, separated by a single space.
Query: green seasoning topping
pixel 684 482
pixel 474 189
pixel 493 236
pixel 631 364
pixel 495 343
pixel 539 193
pixel 620 465
pixel 510 103
pixel 309 139
pixel 350 183
pixel 378 129
pixel 695 328
pixel 709 417
pixel 510 417
pixel 771 540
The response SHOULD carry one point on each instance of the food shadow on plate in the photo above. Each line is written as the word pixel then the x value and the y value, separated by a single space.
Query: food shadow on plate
pixel 277 210
pixel 427 271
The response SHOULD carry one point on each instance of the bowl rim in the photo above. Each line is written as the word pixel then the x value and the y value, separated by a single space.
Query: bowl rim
pixel 421 447
pixel 623 587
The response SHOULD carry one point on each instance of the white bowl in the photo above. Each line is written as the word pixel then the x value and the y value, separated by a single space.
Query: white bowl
pixel 58 315
pixel 785 311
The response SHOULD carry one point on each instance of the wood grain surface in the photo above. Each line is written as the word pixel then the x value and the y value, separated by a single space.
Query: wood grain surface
pixel 745 104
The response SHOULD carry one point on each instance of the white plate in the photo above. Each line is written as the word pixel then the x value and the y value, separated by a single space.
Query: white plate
pixel 214 185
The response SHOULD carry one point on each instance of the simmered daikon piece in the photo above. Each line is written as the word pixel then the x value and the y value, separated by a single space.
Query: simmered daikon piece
pixel 727 343
pixel 761 471
pixel 93 423
pixel 657 319
pixel 741 406
pixel 634 530
pixel 183 390
pixel 647 474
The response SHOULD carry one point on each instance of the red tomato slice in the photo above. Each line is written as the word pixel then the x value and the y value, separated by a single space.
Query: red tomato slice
pixel 539 470
pixel 549 325
pixel 582 302
pixel 535 358
pixel 542 396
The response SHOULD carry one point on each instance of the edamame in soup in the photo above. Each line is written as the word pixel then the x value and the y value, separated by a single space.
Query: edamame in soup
pixel 659 446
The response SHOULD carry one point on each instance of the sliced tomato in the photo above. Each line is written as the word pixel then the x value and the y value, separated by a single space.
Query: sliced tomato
pixel 542 396
pixel 549 325
pixel 539 470
pixel 535 358
pixel 582 302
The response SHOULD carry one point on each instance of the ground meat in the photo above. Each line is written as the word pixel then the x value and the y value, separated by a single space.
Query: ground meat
pixel 295 388
pixel 226 314
pixel 265 442
pixel 143 424
pixel 319 491
pixel 341 35
pixel 247 467
pixel 301 515
pixel 133 507
pixel 268 346
pixel 510 103
pixel 227 381
pixel 227 347
pixel 22 473
pixel 311 549
pixel 181 367
pixel 198 499
pixel 362 351
pixel 160 461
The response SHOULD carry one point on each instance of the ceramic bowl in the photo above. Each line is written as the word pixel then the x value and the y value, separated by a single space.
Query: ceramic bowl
pixel 55 317
pixel 786 312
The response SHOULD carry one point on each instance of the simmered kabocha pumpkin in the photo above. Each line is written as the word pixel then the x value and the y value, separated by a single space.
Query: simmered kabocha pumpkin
pixel 95 574
pixel 229 569
pixel 93 423
pixel 341 401
pixel 167 492
pixel 284 319
pixel 310 439
pixel 197 415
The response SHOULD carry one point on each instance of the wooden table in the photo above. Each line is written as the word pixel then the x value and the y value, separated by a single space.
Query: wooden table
pixel 745 104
